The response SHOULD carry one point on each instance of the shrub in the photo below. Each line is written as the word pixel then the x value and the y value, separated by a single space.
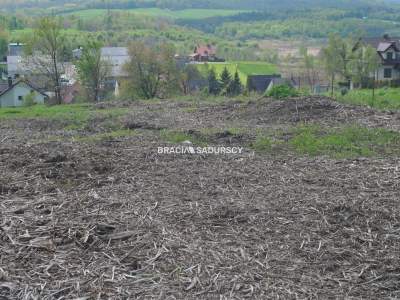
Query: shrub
pixel 262 143
pixel 282 91
pixel 29 100
pixel 344 91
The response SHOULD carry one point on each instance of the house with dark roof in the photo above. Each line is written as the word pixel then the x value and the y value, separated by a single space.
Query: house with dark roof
pixel 263 83
pixel 388 49
pixel 15 94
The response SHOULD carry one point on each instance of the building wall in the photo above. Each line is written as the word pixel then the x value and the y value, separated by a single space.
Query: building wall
pixel 11 98
pixel 381 70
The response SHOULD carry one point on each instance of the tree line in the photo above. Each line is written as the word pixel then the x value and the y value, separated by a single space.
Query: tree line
pixel 151 71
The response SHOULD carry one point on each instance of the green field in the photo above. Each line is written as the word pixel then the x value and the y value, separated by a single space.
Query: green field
pixel 244 68
pixel 385 98
pixel 338 142
pixel 157 12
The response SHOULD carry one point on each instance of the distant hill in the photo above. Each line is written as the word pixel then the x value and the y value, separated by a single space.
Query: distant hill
pixel 185 4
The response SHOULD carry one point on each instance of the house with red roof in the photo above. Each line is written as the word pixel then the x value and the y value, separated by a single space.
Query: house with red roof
pixel 204 53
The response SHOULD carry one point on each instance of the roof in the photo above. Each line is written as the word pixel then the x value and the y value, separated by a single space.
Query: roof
pixel 281 81
pixel 381 43
pixel 383 46
pixel 3 87
pixel 260 83
pixel 207 50
pixel 19 82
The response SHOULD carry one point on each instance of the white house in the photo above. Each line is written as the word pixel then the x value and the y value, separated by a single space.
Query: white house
pixel 388 49
pixel 15 94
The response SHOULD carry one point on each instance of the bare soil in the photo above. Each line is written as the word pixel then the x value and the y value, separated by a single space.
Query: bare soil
pixel 113 219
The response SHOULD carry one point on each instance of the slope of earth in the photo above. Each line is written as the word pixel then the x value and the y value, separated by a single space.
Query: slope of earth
pixel 94 212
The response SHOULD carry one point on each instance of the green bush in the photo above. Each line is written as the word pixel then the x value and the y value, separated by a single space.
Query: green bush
pixel 262 143
pixel 282 91
pixel 29 100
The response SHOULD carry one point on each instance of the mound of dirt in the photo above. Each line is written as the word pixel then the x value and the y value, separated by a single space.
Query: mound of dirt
pixel 315 109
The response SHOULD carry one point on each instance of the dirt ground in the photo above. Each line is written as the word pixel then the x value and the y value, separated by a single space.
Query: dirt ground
pixel 113 219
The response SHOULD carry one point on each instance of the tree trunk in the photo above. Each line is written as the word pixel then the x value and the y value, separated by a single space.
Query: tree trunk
pixel 373 91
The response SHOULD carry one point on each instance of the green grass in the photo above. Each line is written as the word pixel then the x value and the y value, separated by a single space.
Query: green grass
pixel 191 14
pixel 262 143
pixel 385 98
pixel 175 137
pixel 106 136
pixel 244 68
pixel 343 142
pixel 75 116
pixel 75 111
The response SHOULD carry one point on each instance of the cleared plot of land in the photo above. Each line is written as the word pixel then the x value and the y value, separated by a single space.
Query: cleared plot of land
pixel 291 48
pixel 90 209
pixel 157 12
pixel 244 68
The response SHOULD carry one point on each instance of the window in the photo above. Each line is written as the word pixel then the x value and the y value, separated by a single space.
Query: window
pixel 20 98
pixel 389 56
pixel 387 73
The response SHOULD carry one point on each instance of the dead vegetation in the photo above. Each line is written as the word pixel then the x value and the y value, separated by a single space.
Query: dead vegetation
pixel 115 220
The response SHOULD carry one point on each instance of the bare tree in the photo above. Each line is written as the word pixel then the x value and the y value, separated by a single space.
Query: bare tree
pixel 310 67
pixel 45 53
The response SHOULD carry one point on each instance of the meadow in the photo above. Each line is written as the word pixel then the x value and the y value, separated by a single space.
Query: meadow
pixel 385 98
pixel 244 68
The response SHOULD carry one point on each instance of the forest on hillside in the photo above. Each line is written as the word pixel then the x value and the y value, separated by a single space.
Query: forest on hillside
pixel 267 5
pixel 235 26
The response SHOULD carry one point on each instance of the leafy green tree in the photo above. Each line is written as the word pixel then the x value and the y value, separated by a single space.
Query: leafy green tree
pixel 214 86
pixel 334 58
pixel 152 71
pixel 189 73
pixel 3 43
pixel 363 65
pixel 45 51
pixel 92 70
pixel 235 87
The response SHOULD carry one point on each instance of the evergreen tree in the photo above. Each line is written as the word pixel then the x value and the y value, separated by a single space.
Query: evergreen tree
pixel 214 86
pixel 235 86
pixel 225 78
